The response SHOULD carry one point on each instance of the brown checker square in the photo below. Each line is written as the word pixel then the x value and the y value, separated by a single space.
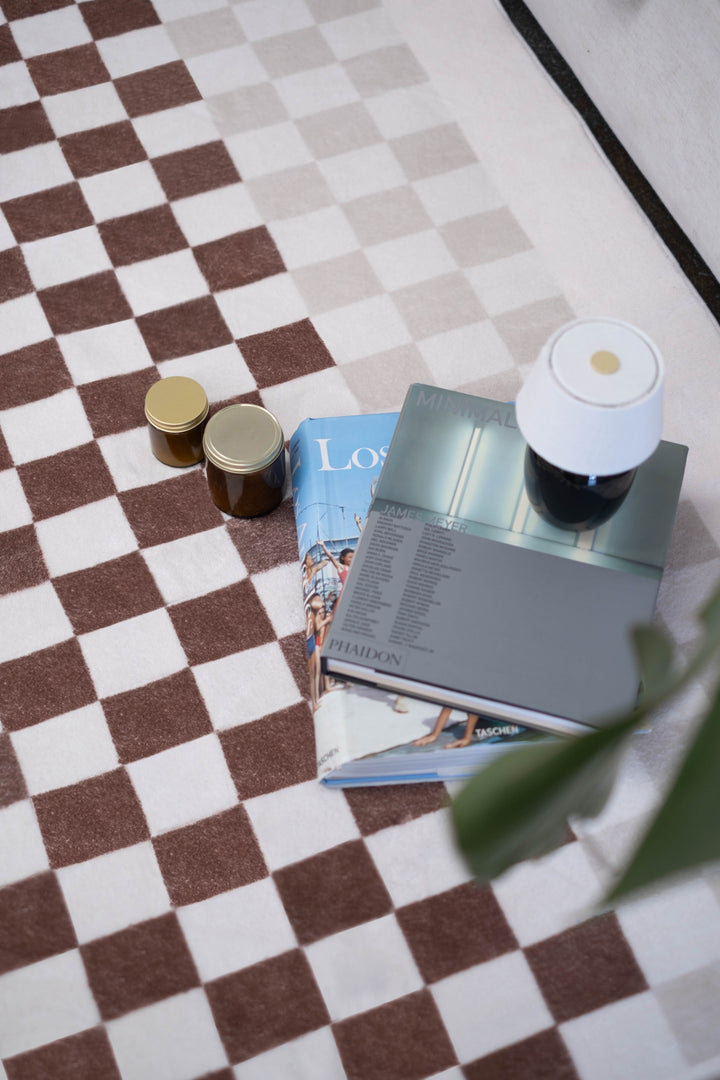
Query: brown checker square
pixel 456 929
pixel 158 88
pixel 20 9
pixel 265 1005
pixel 526 329
pixel 239 259
pixel 135 967
pixel 288 54
pixel 294 650
pixel 155 717
pixel 34 922
pixel 183 329
pixel 21 560
pixel 84 303
pixel 116 404
pixel 111 592
pixel 332 891
pixel 173 508
pixel 382 70
pixel 102 149
pixel 285 353
pixel 585 967
pixel 405 1038
pixel 541 1057
pixel 209 857
pixel 222 622
pixel 87 1056
pixel 6 460
pixel 144 235
pixel 35 372
pixel 14 277
pixel 66 480
pixel 44 684
pixel 9 52
pixel 106 18
pixel 12 781
pixel 292 761
pixel 338 131
pixel 47 213
pixel 265 542
pixel 68 69
pixel 396 804
pixel 201 168
pixel 24 125
pixel 483 238
pixel 91 818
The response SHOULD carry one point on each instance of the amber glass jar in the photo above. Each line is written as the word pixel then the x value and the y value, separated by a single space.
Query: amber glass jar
pixel 245 455
pixel 176 409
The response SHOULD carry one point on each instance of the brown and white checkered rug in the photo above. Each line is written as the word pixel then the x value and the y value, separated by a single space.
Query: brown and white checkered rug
pixel 271 197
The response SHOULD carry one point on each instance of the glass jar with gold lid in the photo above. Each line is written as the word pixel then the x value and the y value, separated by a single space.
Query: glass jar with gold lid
pixel 176 410
pixel 245 460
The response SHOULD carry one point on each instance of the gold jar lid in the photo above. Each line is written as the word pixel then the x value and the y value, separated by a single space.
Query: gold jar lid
pixel 242 439
pixel 176 404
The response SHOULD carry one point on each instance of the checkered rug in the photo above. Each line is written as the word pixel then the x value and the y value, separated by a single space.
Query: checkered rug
pixel 268 196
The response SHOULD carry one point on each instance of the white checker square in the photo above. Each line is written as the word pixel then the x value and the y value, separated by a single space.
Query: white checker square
pixel 314 237
pixel 31 619
pixel 324 393
pixel 22 851
pixel 604 1044
pixel 65 749
pixel 7 240
pixel 45 427
pixel 362 172
pixel 81 110
pixel 278 590
pixel 364 967
pixel 311 1057
pixel 114 891
pixel 361 33
pixel 514 282
pixel 22 322
pixel 362 329
pixel 85 536
pixel 263 305
pixel 195 565
pixel 225 70
pixel 175 1039
pixel 16 85
pixel 65 256
pixel 685 918
pixel 175 129
pixel 633 796
pixel 44 1002
pixel 267 149
pixel 407 880
pixel 315 90
pixel 122 191
pixel 33 169
pixel 15 508
pixel 410 259
pixel 51 31
pixel 214 214
pixel 138 50
pixel 130 461
pixel 267 683
pixel 407 110
pixel 183 784
pixel 300 821
pixel 569 887
pixel 459 356
pixel 457 194
pixel 157 283
pixel 491 1005
pixel 222 372
pixel 237 928
pixel 103 351
pixel 268 18
pixel 132 653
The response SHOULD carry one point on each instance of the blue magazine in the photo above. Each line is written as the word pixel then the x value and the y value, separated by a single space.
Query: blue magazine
pixel 365 735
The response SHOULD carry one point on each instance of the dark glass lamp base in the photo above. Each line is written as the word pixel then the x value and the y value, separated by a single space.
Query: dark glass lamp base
pixel 570 500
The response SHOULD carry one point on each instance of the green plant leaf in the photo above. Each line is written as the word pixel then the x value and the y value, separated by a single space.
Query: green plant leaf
pixel 654 653
pixel 685 832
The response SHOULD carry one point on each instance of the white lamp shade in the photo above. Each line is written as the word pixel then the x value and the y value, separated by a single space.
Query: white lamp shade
pixel 592 403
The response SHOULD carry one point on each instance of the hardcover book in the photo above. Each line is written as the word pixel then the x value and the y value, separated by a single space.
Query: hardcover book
pixel 366 735
pixel 461 594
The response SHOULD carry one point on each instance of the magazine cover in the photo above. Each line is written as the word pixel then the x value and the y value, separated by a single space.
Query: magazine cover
pixel 363 734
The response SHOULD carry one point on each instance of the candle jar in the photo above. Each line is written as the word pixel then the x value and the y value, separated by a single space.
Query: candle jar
pixel 245 460
pixel 176 410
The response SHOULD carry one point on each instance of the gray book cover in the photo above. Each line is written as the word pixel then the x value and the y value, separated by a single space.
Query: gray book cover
pixel 461 594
